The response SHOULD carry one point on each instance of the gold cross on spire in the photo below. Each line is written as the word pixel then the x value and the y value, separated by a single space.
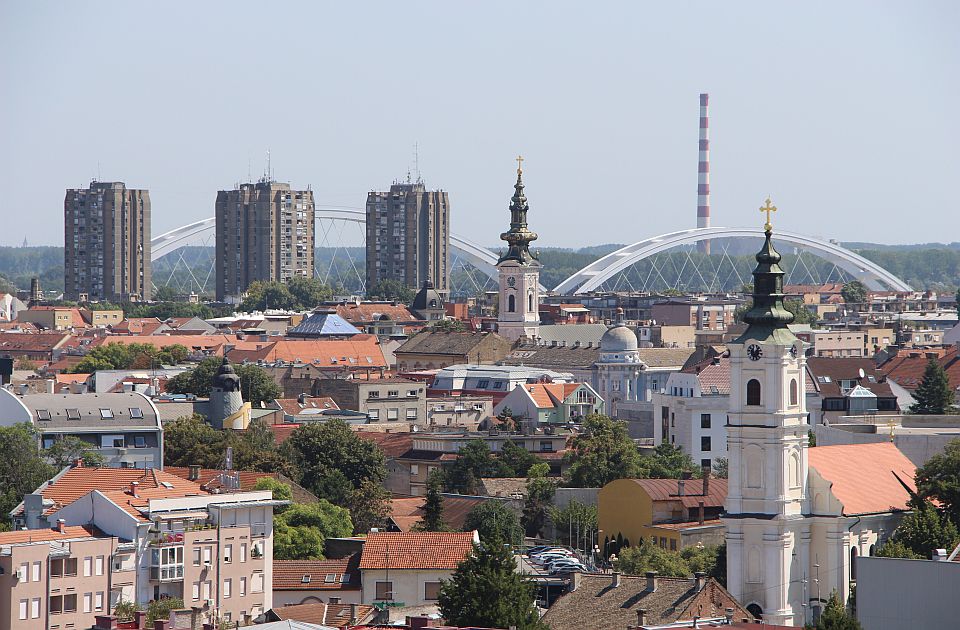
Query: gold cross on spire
pixel 519 164
pixel 768 207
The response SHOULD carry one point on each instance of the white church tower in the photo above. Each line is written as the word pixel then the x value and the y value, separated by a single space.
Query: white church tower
pixel 768 535
pixel 519 314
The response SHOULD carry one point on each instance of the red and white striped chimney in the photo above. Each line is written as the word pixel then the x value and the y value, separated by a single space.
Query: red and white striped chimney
pixel 703 172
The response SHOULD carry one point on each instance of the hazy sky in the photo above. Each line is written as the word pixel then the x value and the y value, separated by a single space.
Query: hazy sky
pixel 845 112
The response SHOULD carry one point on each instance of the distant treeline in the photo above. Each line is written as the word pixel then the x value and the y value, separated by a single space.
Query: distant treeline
pixel 190 269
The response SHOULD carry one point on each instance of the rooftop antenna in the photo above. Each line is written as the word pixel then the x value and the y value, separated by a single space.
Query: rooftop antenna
pixel 269 168
pixel 416 161
pixel 98 170
pixel 249 176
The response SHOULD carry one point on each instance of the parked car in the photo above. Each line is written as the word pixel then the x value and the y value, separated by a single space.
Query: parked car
pixel 548 557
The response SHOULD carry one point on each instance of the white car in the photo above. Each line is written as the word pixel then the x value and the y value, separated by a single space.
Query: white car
pixel 547 558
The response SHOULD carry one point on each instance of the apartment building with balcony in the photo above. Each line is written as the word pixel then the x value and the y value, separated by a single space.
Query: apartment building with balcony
pixel 383 400
pixel 215 551
pixel 59 578
pixel 124 428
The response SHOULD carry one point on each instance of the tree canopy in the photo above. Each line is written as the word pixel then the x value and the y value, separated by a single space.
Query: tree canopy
pixel 68 449
pixel 939 479
pixel 495 523
pixel 191 441
pixel 925 529
pixel 301 529
pixel 574 522
pixel 854 292
pixel 933 395
pixel 835 616
pixel 486 591
pixel 603 452
pixel 22 469
pixel 474 461
pixel 648 556
pixel 119 356
pixel 391 290
pixel 256 385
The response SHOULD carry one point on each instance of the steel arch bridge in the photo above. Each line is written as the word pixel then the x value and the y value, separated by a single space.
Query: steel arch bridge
pixel 476 255
pixel 591 277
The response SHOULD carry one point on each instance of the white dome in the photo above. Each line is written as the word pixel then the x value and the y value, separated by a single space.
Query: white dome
pixel 618 339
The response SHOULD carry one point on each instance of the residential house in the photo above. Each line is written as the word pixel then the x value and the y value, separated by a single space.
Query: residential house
pixel 123 428
pixel 101 318
pixel 407 512
pixel 384 319
pixel 316 581
pixel 842 391
pixel 432 349
pixel 702 314
pixel 408 568
pixel 213 550
pixel 40 347
pixel 551 403
pixel 382 400
pixel 907 366
pixel 358 355
pixel 215 480
pixel 395 445
pixel 59 578
pixel 458 412
pixel 488 380
pixel 53 317
pixel 626 601
pixel 673 513
pixel 304 409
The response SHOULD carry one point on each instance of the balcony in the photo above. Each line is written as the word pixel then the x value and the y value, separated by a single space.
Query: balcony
pixel 166 573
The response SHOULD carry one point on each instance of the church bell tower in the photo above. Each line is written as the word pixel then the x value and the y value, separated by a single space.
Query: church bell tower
pixel 519 314
pixel 768 536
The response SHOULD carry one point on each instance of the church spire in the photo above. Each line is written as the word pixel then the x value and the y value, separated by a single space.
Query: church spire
pixel 518 237
pixel 767 319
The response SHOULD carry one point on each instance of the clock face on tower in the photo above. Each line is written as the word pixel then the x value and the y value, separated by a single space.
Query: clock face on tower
pixel 754 352
pixel 511 281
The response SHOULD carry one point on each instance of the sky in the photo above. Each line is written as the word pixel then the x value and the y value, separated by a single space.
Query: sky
pixel 843 112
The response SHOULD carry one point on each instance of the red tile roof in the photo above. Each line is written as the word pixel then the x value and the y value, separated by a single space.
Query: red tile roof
pixel 421 550
pixel 43 535
pixel 31 342
pixel 846 368
pixel 549 395
pixel 335 615
pixel 361 313
pixel 114 482
pixel 207 343
pixel 866 478
pixel 392 444
pixel 311 575
pixel 907 367
pixel 666 490
pixel 358 352
pixel 406 512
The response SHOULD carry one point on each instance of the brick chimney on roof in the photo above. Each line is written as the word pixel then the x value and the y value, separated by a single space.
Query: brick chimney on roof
pixel 61 525
pixel 133 490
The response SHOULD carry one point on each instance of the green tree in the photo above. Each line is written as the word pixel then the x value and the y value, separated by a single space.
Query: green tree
pixel 603 452
pixel 939 479
pixel 370 506
pixel 896 549
pixel 854 292
pixel 432 520
pixel 165 293
pixel 308 292
pixel 22 469
pixel 474 462
pixel 160 608
pixel 486 591
pixel 191 441
pixel 925 529
pixel 540 493
pixel 574 522
pixel 68 449
pixel 647 556
pixel 449 325
pixel 281 491
pixel 495 523
pixel 300 530
pixel 517 458
pixel 268 295
pixel 256 385
pixel 933 395
pixel 391 290
pixel 668 462
pixel 835 616
pixel 721 468
pixel 331 451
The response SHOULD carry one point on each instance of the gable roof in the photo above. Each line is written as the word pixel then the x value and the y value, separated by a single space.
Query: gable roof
pixel 420 550
pixel 907 366
pixel 31 342
pixel 666 490
pixel 406 512
pixel 392 444
pixel 846 368
pixel 365 312
pixel 444 342
pixel 866 478
pixel 563 357
pixel 665 357
pixel 607 606
pixel 311 575
pixel 549 395
pixel 333 615
pixel 360 351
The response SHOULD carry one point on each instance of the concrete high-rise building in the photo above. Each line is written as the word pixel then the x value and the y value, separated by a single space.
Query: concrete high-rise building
pixel 264 232
pixel 106 239
pixel 408 236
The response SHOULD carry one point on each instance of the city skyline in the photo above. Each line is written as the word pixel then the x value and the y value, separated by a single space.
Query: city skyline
pixel 840 119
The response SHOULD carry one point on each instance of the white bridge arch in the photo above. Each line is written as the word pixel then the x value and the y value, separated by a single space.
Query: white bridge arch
pixel 595 274
pixel 477 255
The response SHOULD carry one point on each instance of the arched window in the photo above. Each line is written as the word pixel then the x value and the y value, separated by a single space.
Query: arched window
pixel 530 302
pixel 511 304
pixel 853 563
pixel 753 392
pixel 873 550
pixel 793 391
pixel 794 470
pixel 755 610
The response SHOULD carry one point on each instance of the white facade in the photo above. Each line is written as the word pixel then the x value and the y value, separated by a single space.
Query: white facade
pixel 519 314
pixel 686 417
pixel 413 587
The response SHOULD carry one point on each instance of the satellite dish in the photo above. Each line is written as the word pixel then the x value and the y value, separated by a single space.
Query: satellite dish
pixel 861 373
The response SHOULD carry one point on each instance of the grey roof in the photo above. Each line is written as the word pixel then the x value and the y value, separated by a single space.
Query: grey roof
pixel 619 338
pixel 174 410
pixel 553 357
pixel 442 342
pixel 290 624
pixel 572 333
pixel 323 324
pixel 665 357
pixel 87 414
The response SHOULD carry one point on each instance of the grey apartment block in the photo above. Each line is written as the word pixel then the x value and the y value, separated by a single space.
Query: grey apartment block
pixel 264 232
pixel 106 239
pixel 384 399
pixel 408 236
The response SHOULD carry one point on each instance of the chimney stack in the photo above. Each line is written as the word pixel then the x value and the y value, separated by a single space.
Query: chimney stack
pixel 700 509
pixel 706 481
pixel 703 172
pixel 681 486
pixel 701 579
pixel 615 580
pixel 728 614
pixel 194 473
pixel 61 525
pixel 641 617
pixel 651 581
pixel 133 489
pixel 354 614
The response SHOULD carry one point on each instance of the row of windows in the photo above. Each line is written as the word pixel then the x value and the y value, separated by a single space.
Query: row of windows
pixel 431 591
pixel 105 414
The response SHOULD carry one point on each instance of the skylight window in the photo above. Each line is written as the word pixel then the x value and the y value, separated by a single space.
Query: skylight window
pixel 167 485
pixel 136 412
pixel 305 579
pixel 73 414
pixel 106 413
pixel 43 414
pixel 330 578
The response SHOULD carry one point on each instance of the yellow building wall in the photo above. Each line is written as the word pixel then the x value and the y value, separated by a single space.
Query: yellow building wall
pixel 624 508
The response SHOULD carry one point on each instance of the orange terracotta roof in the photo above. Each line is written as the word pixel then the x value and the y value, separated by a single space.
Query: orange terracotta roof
pixel 866 478
pixel 206 343
pixel 392 444
pixel 549 395
pixel 42 535
pixel 31 342
pixel 360 313
pixel 80 481
pixel 907 367
pixel 406 512
pixel 311 575
pixel 66 379
pixel 688 525
pixel 327 615
pixel 358 352
pixel 420 550
pixel 209 476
